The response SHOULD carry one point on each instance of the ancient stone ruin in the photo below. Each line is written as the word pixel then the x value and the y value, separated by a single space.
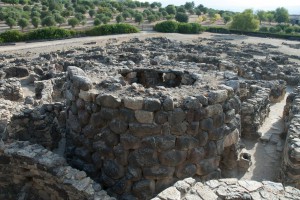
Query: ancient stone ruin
pixel 146 119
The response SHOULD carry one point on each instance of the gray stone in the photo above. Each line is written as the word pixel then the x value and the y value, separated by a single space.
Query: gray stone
pixel 217 96
pixel 144 116
pixel 170 194
pixel 186 170
pixel 158 172
pixel 118 126
pixel 168 104
pixel 129 141
pixel 142 130
pixel 172 158
pixel 151 104
pixel 108 100
pixel 82 82
pixel 186 142
pixel 134 103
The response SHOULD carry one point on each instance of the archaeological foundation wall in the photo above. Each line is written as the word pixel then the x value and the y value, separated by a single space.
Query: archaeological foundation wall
pixel 29 171
pixel 140 143
pixel 290 168
pixel 44 125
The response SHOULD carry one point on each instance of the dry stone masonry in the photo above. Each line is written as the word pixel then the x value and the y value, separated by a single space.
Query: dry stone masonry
pixel 140 144
pixel 291 154
pixel 141 116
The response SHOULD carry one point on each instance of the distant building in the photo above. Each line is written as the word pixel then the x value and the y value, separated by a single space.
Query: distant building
pixel 295 19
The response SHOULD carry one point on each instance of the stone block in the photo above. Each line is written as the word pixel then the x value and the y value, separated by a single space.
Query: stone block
pixel 186 170
pixel 213 110
pixel 196 155
pixel 217 96
pixel 186 142
pixel 118 126
pixel 206 124
pixel 191 103
pixel 144 157
pixel 144 189
pixel 158 172
pixel 108 100
pixel 113 169
pixel 168 104
pixel 172 157
pixel 152 105
pixel 170 194
pixel 129 141
pixel 145 117
pixel 143 130
pixel 134 103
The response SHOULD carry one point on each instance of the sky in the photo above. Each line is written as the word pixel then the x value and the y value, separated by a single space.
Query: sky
pixel 239 5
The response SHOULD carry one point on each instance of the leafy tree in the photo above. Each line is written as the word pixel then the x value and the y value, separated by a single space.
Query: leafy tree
pixel 151 18
pixel 198 12
pixel 26 8
pixel 181 17
pixel 139 18
pixel 181 9
pixel 119 19
pixel 191 11
pixel 189 5
pixel 35 14
pixel 164 13
pixel 73 22
pixel 10 22
pixel 105 20
pixel 59 19
pixel 23 2
pixel 281 15
pixel 226 19
pixel 261 15
pixel 245 21
pixel 216 17
pixel 126 15
pixel 171 10
pixel 170 17
pixel 23 23
pixel 97 22
pixel 13 2
pixel 92 13
pixel 79 16
pixel 36 21
pixel 270 17
pixel 48 21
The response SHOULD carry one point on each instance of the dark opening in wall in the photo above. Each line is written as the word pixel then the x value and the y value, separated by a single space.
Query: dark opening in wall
pixel 153 78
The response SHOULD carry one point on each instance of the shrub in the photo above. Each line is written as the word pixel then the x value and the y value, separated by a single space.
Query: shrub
pixel 12 36
pixel 1 40
pixel 108 29
pixel 275 29
pixel 184 28
pixel 263 29
pixel 175 27
pixel 167 27
pixel 289 30
pixel 182 17
pixel 49 33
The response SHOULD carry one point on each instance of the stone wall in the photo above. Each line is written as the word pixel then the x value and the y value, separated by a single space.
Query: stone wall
pixel 256 98
pixel 290 169
pixel 228 189
pixel 136 144
pixel 44 125
pixel 32 172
